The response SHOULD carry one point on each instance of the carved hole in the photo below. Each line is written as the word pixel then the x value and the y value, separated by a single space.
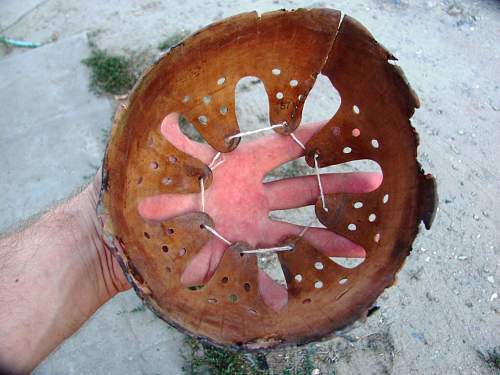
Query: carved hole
pixel 318 284
pixel 352 227
pixel 348 262
pixel 294 83
pixel 146 234
pixel 347 150
pixel 252 311
pixel 318 265
pixel 212 300
pixel 279 95
pixel 306 301
pixel 207 99
pixel 203 120
pixel 355 109
pixel 276 71
pixel 168 269
pixel 169 231
pixel 182 252
pixel 376 238
pixel 385 199
pixel 252 105
pixel 358 204
pixel 139 180
pixel 166 181
pixel 172 159
pixel 247 287
pixel 150 141
pixel 224 280
pixel 153 165
pixel 223 110
pixel 298 278
pixel 375 143
pixel 221 81
pixel 233 298
pixel 164 248
pixel 372 218
pixel 186 98
pixel 356 132
pixel 343 281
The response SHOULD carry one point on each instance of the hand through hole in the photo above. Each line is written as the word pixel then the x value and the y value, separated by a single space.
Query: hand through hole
pixel 239 202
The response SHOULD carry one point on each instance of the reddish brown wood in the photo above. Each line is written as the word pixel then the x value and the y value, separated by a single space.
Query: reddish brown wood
pixel 139 163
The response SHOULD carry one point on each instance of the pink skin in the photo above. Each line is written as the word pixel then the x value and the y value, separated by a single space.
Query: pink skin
pixel 239 202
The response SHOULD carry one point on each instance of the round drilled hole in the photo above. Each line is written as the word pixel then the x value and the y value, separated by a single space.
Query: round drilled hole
pixel 164 248
pixel 247 287
pixel 347 150
pixel 294 83
pixel 212 300
pixel 306 301
pixel 223 110
pixel 186 98
pixel 318 284
pixel 358 204
pixel 169 231
pixel 356 132
pixel 372 218
pixel 172 159
pixel 318 265
pixel 375 143
pixel 139 180
pixel 166 181
pixel 224 280
pixel 352 227
pixel 298 278
pixel 182 252
pixel 276 71
pixel 146 234
pixel 203 120
pixel 376 238
pixel 300 97
pixel 153 165
pixel 355 109
pixel 279 95
pixel 233 298
pixel 207 99
pixel 252 311
pixel 168 269
pixel 343 281
pixel 221 81
pixel 385 199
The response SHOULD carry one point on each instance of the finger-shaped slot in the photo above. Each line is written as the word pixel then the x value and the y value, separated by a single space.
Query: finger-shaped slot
pixel 322 102
pixel 189 130
pixel 252 106
pixel 272 282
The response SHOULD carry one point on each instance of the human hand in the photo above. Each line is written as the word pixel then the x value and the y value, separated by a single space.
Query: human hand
pixel 239 202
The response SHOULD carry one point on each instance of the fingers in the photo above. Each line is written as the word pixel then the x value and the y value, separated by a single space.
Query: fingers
pixel 274 295
pixel 171 131
pixel 166 206
pixel 277 149
pixel 303 191
pixel 329 243
pixel 203 265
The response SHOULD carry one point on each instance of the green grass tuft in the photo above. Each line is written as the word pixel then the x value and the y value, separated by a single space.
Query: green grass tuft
pixel 172 40
pixel 207 359
pixel 110 74
pixel 491 357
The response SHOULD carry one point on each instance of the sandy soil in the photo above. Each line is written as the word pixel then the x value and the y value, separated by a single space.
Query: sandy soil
pixel 445 306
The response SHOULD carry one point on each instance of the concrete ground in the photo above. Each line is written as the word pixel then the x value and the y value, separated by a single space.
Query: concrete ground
pixel 445 307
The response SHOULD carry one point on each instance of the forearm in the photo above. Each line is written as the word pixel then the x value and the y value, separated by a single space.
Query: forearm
pixel 53 276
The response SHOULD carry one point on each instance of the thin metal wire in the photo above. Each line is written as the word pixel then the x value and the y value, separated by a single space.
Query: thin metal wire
pixel 294 137
pixel 318 176
pixel 244 134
